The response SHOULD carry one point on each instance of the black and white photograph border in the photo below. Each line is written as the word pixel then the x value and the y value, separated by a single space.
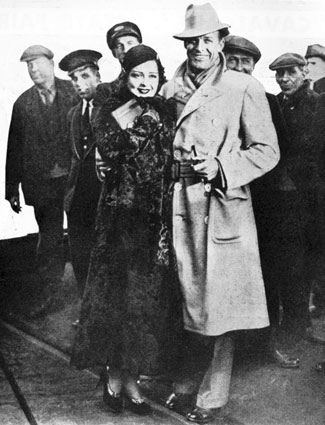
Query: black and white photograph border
pixel 37 384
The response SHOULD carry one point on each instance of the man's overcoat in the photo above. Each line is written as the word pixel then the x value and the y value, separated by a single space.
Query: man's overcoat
pixel 227 117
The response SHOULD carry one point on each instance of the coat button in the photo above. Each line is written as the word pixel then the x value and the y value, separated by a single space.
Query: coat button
pixel 206 219
pixel 178 186
pixel 207 187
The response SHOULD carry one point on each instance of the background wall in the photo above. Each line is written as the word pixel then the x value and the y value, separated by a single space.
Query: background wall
pixel 276 26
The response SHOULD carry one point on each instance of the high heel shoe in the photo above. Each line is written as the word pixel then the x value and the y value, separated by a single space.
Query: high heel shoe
pixel 137 406
pixel 112 399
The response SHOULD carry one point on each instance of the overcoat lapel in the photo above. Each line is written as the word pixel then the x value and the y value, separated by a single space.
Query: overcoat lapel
pixel 201 96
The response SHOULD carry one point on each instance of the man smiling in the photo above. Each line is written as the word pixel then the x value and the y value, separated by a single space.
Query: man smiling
pixel 224 139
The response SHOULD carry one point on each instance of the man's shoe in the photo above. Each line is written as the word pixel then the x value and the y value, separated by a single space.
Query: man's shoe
pixel 285 361
pixel 320 367
pixel 201 416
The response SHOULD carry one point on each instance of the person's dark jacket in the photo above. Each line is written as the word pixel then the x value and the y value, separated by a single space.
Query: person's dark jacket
pixel 82 170
pixel 272 180
pixel 304 149
pixel 319 86
pixel 37 142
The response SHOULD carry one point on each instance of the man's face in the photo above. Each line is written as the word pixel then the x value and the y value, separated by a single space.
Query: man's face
pixel 316 68
pixel 122 45
pixel 85 82
pixel 41 70
pixel 239 61
pixel 290 79
pixel 143 80
pixel 203 51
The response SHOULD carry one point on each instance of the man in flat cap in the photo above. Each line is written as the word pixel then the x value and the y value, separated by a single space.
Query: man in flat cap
pixel 298 103
pixel 269 202
pixel 83 186
pixel 38 158
pixel 315 56
pixel 224 139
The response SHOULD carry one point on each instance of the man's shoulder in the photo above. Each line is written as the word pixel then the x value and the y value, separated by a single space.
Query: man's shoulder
pixel 22 98
pixel 319 85
pixel 63 83
pixel 311 97
pixel 240 81
pixel 66 86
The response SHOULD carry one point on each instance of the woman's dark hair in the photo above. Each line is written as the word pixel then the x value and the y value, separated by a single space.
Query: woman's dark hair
pixel 138 55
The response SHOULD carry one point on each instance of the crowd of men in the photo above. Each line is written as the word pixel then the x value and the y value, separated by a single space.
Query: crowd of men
pixel 52 154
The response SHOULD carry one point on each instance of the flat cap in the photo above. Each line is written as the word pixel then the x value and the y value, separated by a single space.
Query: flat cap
pixel 79 59
pixel 33 52
pixel 121 30
pixel 315 50
pixel 234 42
pixel 287 60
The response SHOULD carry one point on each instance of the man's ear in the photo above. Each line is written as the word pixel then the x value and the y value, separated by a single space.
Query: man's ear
pixel 222 43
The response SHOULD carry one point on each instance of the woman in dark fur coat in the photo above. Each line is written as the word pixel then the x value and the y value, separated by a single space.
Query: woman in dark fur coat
pixel 131 302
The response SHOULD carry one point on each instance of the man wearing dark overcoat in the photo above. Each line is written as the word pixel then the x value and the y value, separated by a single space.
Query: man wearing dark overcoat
pixel 83 186
pixel 38 158
pixel 269 194
pixel 224 139
pixel 298 103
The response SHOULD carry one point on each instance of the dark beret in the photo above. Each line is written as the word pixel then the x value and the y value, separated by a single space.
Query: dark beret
pixel 287 60
pixel 138 55
pixel 78 59
pixel 33 52
pixel 121 30
pixel 234 42
pixel 315 50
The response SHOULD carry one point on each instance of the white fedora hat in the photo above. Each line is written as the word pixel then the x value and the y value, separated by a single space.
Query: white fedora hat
pixel 200 20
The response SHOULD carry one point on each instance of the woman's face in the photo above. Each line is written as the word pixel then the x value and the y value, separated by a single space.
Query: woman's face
pixel 143 80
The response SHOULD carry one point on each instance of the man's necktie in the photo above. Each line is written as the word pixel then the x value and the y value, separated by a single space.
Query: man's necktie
pixel 85 127
pixel 47 96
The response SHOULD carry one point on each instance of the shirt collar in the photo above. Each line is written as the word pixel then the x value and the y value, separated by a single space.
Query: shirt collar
pixel 84 105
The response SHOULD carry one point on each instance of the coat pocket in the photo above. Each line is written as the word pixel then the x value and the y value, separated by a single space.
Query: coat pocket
pixel 229 216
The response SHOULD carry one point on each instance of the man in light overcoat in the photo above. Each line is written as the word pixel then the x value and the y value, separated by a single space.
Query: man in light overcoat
pixel 224 140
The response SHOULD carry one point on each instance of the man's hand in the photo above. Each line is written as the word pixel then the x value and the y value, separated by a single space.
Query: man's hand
pixel 208 168
pixel 15 204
